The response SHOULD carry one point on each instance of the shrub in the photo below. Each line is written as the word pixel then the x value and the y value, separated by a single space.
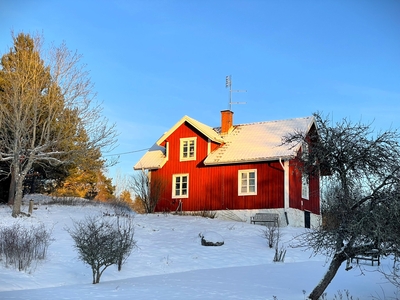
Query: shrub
pixel 201 213
pixel 119 207
pixel 148 190
pixel 20 246
pixel 271 234
pixel 102 241
pixel 69 201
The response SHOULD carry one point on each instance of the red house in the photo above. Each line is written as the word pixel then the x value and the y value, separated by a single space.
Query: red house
pixel 234 169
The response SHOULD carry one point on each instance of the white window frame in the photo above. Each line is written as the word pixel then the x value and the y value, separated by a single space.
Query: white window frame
pixel 305 151
pixel 181 188
pixel 305 187
pixel 247 186
pixel 185 142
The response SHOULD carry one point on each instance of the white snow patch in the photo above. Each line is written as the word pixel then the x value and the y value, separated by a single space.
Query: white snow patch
pixel 170 263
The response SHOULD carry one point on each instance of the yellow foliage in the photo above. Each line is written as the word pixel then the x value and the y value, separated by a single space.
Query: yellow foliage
pixel 138 206
pixel 87 184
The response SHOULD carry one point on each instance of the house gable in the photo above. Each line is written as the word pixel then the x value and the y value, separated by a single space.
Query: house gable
pixel 160 152
pixel 207 131
pixel 185 133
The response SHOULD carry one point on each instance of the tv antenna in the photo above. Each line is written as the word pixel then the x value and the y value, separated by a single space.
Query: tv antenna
pixel 228 84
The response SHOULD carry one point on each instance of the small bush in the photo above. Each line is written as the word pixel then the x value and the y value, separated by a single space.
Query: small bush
pixel 21 246
pixel 271 234
pixel 202 213
pixel 69 201
pixel 345 295
pixel 119 207
pixel 103 241
pixel 279 254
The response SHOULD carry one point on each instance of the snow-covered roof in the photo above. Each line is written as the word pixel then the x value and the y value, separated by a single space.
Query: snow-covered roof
pixel 208 131
pixel 259 142
pixel 153 159
pixel 245 143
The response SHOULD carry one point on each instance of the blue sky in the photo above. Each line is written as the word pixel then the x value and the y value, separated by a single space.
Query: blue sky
pixel 152 62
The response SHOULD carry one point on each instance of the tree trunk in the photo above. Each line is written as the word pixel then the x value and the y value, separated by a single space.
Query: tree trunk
pixel 11 190
pixel 18 196
pixel 334 266
pixel 119 263
pixel 94 275
pixel 98 275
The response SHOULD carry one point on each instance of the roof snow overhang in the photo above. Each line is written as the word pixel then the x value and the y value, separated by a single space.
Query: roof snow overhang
pixel 206 130
pixel 153 159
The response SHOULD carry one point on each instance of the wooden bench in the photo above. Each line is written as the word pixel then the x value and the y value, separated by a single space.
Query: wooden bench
pixel 372 256
pixel 267 218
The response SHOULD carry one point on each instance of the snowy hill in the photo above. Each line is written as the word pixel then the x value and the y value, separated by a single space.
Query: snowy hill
pixel 170 263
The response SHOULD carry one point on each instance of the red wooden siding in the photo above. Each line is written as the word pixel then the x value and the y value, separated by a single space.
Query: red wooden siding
pixel 216 187
pixel 295 199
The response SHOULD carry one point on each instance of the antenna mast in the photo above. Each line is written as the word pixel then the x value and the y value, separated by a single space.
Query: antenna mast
pixel 228 84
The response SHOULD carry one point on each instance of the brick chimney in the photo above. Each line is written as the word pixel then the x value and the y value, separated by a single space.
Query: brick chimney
pixel 226 121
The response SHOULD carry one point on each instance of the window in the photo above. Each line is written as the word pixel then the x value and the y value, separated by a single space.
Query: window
pixel 305 187
pixel 305 152
pixel 247 182
pixel 180 186
pixel 188 149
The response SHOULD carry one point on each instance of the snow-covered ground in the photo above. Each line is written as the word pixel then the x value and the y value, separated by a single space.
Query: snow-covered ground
pixel 170 263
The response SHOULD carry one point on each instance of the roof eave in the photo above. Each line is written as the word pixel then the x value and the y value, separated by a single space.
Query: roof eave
pixel 246 161
pixel 138 167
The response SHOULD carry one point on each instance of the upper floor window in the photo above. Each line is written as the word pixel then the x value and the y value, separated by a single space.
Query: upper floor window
pixel 305 186
pixel 305 152
pixel 180 186
pixel 188 149
pixel 247 182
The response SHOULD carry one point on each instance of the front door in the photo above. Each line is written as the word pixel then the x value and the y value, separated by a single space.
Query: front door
pixel 307 219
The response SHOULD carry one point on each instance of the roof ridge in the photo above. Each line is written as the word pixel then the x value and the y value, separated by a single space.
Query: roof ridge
pixel 273 121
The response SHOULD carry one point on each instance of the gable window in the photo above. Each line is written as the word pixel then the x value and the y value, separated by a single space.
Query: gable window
pixel 180 186
pixel 188 149
pixel 305 151
pixel 305 186
pixel 247 182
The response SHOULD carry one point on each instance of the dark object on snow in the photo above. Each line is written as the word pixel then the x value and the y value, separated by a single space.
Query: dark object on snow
pixel 211 239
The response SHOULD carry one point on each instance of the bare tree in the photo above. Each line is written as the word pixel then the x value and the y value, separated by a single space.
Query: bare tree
pixel 48 114
pixel 362 168
pixel 147 190
pixel 122 183
pixel 103 241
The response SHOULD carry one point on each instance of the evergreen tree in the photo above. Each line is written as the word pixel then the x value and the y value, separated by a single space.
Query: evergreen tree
pixel 47 114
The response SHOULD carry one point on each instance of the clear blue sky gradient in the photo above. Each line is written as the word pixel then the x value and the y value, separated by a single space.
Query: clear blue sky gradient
pixel 153 62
